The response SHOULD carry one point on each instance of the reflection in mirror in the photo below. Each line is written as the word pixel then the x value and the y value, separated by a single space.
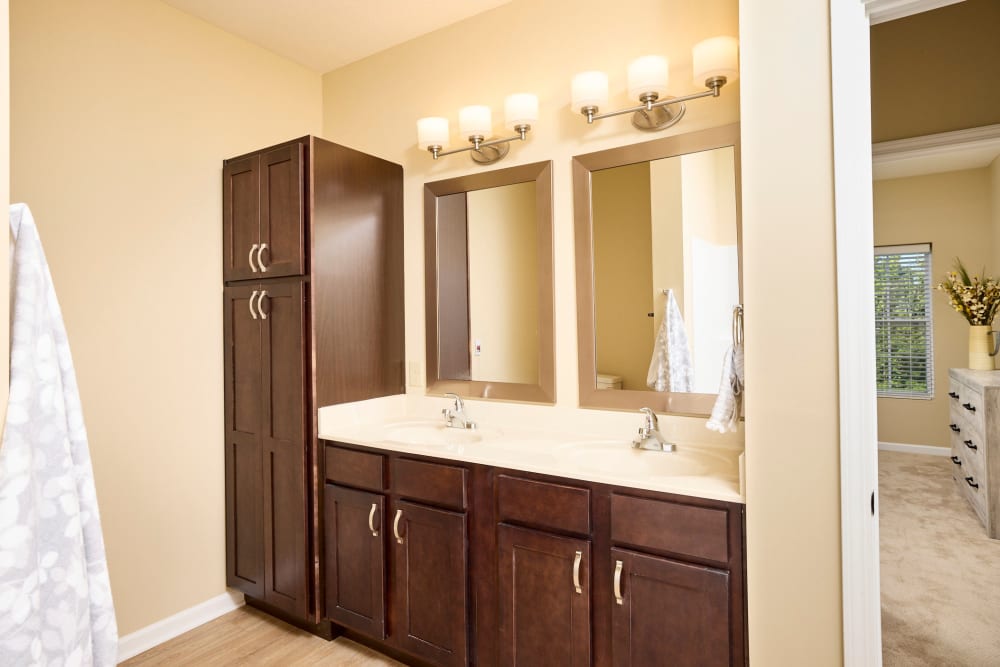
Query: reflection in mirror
pixel 488 280
pixel 658 270
pixel 488 262
pixel 665 228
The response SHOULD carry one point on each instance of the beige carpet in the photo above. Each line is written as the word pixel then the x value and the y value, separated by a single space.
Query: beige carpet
pixel 940 573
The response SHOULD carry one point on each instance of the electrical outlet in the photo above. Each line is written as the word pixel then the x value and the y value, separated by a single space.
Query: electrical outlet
pixel 416 374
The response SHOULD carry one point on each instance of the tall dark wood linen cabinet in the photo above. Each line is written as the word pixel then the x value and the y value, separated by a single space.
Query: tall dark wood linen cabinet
pixel 313 315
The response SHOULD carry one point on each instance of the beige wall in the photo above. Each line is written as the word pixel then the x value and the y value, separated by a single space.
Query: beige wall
pixel 936 71
pixel 995 211
pixel 789 291
pixel 666 211
pixel 623 273
pixel 503 283
pixel 122 113
pixel 4 200
pixel 952 212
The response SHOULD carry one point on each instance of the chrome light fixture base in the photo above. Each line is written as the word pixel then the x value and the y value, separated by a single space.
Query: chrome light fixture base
pixel 656 118
pixel 490 154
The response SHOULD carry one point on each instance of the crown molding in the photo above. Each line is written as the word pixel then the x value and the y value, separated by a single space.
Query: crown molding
pixel 936 153
pixel 880 11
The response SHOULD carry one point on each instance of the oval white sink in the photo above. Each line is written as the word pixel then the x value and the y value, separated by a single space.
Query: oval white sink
pixel 612 457
pixel 430 434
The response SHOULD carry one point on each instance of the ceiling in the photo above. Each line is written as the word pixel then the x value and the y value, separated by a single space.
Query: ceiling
pixel 936 153
pixel 327 34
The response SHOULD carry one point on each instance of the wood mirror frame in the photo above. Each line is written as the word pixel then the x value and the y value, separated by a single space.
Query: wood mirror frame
pixel 544 390
pixel 680 403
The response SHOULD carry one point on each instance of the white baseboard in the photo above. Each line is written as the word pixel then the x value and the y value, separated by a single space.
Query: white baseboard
pixel 142 640
pixel 914 449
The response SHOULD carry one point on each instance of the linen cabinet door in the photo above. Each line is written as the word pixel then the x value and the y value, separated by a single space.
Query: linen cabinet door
pixel 286 577
pixel 545 592
pixel 244 476
pixel 355 559
pixel 240 218
pixel 430 583
pixel 282 212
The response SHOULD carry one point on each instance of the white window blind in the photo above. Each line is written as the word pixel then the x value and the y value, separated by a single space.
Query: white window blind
pixel 904 341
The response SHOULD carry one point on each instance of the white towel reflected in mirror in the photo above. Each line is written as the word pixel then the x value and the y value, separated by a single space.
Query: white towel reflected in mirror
pixel 670 368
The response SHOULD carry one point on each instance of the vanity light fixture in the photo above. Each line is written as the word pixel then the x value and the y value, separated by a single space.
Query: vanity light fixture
pixel 476 123
pixel 715 64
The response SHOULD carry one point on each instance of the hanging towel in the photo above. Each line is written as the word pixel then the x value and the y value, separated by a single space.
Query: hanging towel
pixel 670 368
pixel 55 596
pixel 726 412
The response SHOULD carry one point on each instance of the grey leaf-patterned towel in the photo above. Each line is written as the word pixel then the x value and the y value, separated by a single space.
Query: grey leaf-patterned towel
pixel 670 368
pixel 55 595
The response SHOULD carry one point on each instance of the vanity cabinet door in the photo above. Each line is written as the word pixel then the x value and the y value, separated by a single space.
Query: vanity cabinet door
pixel 240 218
pixel 430 583
pixel 354 557
pixel 665 612
pixel 544 589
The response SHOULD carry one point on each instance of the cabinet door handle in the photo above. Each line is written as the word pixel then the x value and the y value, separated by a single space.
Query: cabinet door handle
pixel 260 305
pixel 957 461
pixel 253 313
pixel 371 520
pixel 576 572
pixel 260 261
pixel 968 443
pixel 955 428
pixel 969 406
pixel 618 583
pixel 395 527
pixel 953 394
pixel 253 249
pixel 971 482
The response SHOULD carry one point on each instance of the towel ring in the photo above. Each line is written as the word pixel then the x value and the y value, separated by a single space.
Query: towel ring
pixel 737 325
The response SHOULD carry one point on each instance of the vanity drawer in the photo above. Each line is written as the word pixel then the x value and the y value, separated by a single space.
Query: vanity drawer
pixel 543 504
pixel 672 528
pixel 353 468
pixel 431 482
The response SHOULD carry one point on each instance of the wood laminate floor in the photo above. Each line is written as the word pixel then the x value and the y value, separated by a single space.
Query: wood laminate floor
pixel 249 637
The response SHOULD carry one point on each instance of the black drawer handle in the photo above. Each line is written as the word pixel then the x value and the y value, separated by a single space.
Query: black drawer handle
pixel 969 406
pixel 955 428
pixel 957 461
pixel 970 482
pixel 953 394
pixel 968 443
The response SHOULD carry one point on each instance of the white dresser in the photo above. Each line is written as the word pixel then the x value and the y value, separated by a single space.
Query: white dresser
pixel 975 441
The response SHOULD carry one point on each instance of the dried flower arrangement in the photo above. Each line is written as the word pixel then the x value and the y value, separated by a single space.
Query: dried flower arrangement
pixel 977 298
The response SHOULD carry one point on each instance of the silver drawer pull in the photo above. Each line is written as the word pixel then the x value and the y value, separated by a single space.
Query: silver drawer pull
pixel 253 313
pixel 260 305
pixel 576 572
pixel 371 520
pixel 395 527
pixel 253 249
pixel 260 260
pixel 618 583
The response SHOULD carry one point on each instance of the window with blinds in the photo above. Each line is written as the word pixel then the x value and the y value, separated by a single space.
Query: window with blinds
pixel 904 342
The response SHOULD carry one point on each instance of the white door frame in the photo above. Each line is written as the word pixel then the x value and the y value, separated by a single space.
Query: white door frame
pixel 850 22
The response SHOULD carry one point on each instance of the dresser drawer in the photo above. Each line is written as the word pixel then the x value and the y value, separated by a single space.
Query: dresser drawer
pixel 967 404
pixel 670 528
pixel 350 467
pixel 543 504
pixel 976 496
pixel 430 482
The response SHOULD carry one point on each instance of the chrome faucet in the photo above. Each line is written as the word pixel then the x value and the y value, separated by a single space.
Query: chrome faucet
pixel 455 415
pixel 649 434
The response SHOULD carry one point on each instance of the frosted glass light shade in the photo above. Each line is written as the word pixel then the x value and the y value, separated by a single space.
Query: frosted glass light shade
pixel 648 74
pixel 716 56
pixel 520 109
pixel 590 89
pixel 475 120
pixel 432 131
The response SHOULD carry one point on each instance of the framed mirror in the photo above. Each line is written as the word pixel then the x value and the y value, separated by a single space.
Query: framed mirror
pixel 658 270
pixel 488 269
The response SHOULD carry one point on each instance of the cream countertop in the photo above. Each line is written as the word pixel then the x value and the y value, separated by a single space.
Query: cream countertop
pixel 592 445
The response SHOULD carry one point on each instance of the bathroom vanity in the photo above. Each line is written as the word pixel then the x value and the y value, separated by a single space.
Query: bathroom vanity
pixel 516 545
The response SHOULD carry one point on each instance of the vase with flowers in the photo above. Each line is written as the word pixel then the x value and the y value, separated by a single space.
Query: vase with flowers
pixel 977 299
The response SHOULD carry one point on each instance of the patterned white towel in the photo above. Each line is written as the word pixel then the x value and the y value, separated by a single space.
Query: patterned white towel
pixel 55 596
pixel 670 368
pixel 726 412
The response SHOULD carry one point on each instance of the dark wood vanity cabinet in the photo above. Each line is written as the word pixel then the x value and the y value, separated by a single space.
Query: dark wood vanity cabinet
pixel 313 316
pixel 538 571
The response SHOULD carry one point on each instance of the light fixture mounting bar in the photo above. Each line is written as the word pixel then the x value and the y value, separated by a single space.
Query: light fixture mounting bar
pixel 478 143
pixel 650 101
